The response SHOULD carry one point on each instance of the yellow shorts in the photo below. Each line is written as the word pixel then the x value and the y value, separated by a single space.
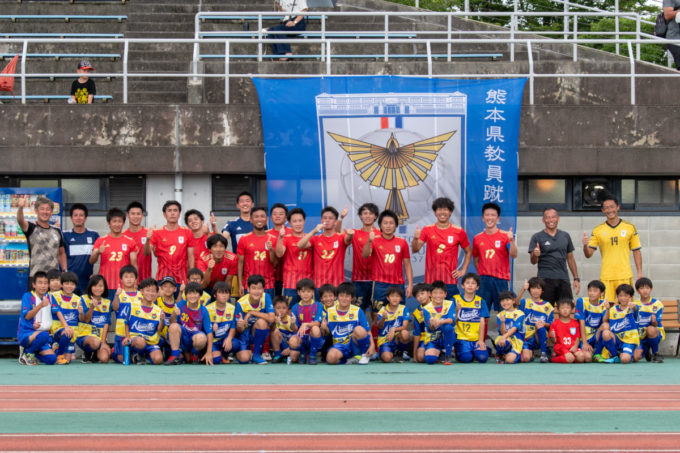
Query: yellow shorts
pixel 611 285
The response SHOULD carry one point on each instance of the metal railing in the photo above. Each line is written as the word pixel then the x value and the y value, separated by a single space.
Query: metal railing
pixel 328 58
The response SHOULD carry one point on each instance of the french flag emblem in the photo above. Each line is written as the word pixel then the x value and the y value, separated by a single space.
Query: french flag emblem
pixel 391 122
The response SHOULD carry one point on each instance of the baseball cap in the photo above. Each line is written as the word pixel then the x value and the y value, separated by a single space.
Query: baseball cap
pixel 167 279
pixel 85 64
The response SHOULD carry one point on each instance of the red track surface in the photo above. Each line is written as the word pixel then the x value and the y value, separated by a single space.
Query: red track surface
pixel 351 443
pixel 329 398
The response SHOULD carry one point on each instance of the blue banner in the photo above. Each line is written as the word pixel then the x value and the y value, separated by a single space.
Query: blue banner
pixel 399 142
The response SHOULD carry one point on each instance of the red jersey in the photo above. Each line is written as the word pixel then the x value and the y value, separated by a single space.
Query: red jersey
pixel 441 255
pixel 493 254
pixel 278 269
pixel 297 263
pixel 228 266
pixel 362 268
pixel 566 335
pixel 116 255
pixel 256 259
pixel 200 248
pixel 329 258
pixel 143 261
pixel 388 259
pixel 171 252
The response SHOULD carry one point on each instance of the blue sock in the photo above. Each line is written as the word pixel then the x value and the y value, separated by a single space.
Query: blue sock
pixel 597 350
pixel 364 344
pixel 258 340
pixel 47 359
pixel 542 336
pixel 174 353
pixel 194 351
pixel 137 351
pixel 315 343
pixel 38 342
pixel 654 344
pixel 217 360
pixel 449 338
pixel 430 359
pixel 610 345
pixel 64 342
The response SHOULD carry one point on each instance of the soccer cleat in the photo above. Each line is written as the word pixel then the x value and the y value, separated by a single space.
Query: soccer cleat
pixel 499 358
pixel 374 357
pixel 352 361
pixel 544 358
pixel 616 359
pixel 405 356
pixel 311 360
pixel 364 360
pixel 267 356
pixel 173 360
pixel 138 360
pixel 61 360
pixel 398 358
pixel 658 358
pixel 259 360
pixel 194 359
pixel 597 358
pixel 88 357
pixel 27 359
pixel 278 358
pixel 289 360
pixel 648 355
pixel 448 359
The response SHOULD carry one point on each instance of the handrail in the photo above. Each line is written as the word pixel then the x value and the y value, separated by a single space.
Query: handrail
pixel 328 57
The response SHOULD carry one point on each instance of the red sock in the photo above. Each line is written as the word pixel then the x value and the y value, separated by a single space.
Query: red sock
pixel 559 359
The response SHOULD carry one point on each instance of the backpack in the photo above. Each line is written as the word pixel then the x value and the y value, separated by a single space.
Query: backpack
pixel 661 26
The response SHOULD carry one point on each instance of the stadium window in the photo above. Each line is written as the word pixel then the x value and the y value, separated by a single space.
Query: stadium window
pixel 225 188
pixel 661 194
pixel 536 194
pixel 125 189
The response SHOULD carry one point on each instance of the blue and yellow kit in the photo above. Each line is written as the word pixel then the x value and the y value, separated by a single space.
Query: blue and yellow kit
pixel 645 313
pixel 101 316
pixel 592 314
pixel 143 322
pixel 418 320
pixel 223 320
pixel 622 324
pixel 342 324
pixel 445 311
pixel 533 313
pixel 68 306
pixel 125 300
pixel 469 317
pixel 510 319
pixel 167 308
pixel 393 319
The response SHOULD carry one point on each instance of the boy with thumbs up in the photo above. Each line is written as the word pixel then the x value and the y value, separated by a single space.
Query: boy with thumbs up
pixel 491 252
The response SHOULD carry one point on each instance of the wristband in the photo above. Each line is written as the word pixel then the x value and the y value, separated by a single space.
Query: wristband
pixel 576 279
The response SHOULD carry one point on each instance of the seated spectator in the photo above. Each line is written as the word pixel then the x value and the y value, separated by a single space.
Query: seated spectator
pixel 292 23
pixel 83 89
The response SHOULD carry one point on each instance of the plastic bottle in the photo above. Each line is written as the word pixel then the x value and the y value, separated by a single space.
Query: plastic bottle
pixel 126 355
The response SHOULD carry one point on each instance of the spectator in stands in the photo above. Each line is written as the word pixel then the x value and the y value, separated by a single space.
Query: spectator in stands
pixel 553 250
pixel 45 242
pixel 670 10
pixel 83 89
pixel 291 23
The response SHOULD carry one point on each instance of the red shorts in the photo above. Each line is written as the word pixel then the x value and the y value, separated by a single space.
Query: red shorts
pixel 562 350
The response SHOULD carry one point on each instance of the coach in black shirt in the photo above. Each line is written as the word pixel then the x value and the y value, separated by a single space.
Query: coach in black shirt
pixel 552 250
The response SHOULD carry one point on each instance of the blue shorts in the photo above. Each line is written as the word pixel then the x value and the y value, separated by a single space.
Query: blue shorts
pixel 379 294
pixel 465 346
pixel 292 296
pixel 148 349
pixel 390 346
pixel 239 344
pixel 71 347
pixel 531 343
pixel 23 342
pixel 507 349
pixel 364 293
pixel 436 344
pixel 490 288
pixel 451 290
pixel 118 346
pixel 80 341
pixel 186 341
pixel 217 345
pixel 347 349
pixel 626 348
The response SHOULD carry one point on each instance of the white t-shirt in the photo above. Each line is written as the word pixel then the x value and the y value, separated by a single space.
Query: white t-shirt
pixel 293 5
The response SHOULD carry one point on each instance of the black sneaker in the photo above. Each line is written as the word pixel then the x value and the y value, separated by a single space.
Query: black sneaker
pixel 88 357
pixel 311 360
pixel 173 360
pixel 138 359
pixel 448 360
pixel 544 358
pixel 648 355
pixel 658 358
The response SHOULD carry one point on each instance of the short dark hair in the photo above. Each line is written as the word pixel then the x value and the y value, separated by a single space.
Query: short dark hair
pixel 222 287
pixel 115 212
pixel 395 290
pixel 214 239
pixel 643 281
pixel 564 301
pixel 443 203
pixel 195 271
pixel 191 212
pixel 507 295
pixel 549 208
pixel 69 276
pixel 421 287
pixel 94 281
pixel 493 206
pixel 328 288
pixel 609 197
pixel 280 300
pixel 77 207
pixel 135 204
pixel 257 209
pixel 625 289
pixel 471 275
pixel 53 274
pixel 169 203
pixel 536 282
pixel 294 211
pixel 330 209
pixel 597 284
pixel 148 281
pixel 39 274
pixel 246 194
pixel 128 270
pixel 305 283
pixel 370 207
pixel 193 288
pixel 388 213
pixel 438 284
pixel 347 288
pixel 278 205
pixel 255 279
